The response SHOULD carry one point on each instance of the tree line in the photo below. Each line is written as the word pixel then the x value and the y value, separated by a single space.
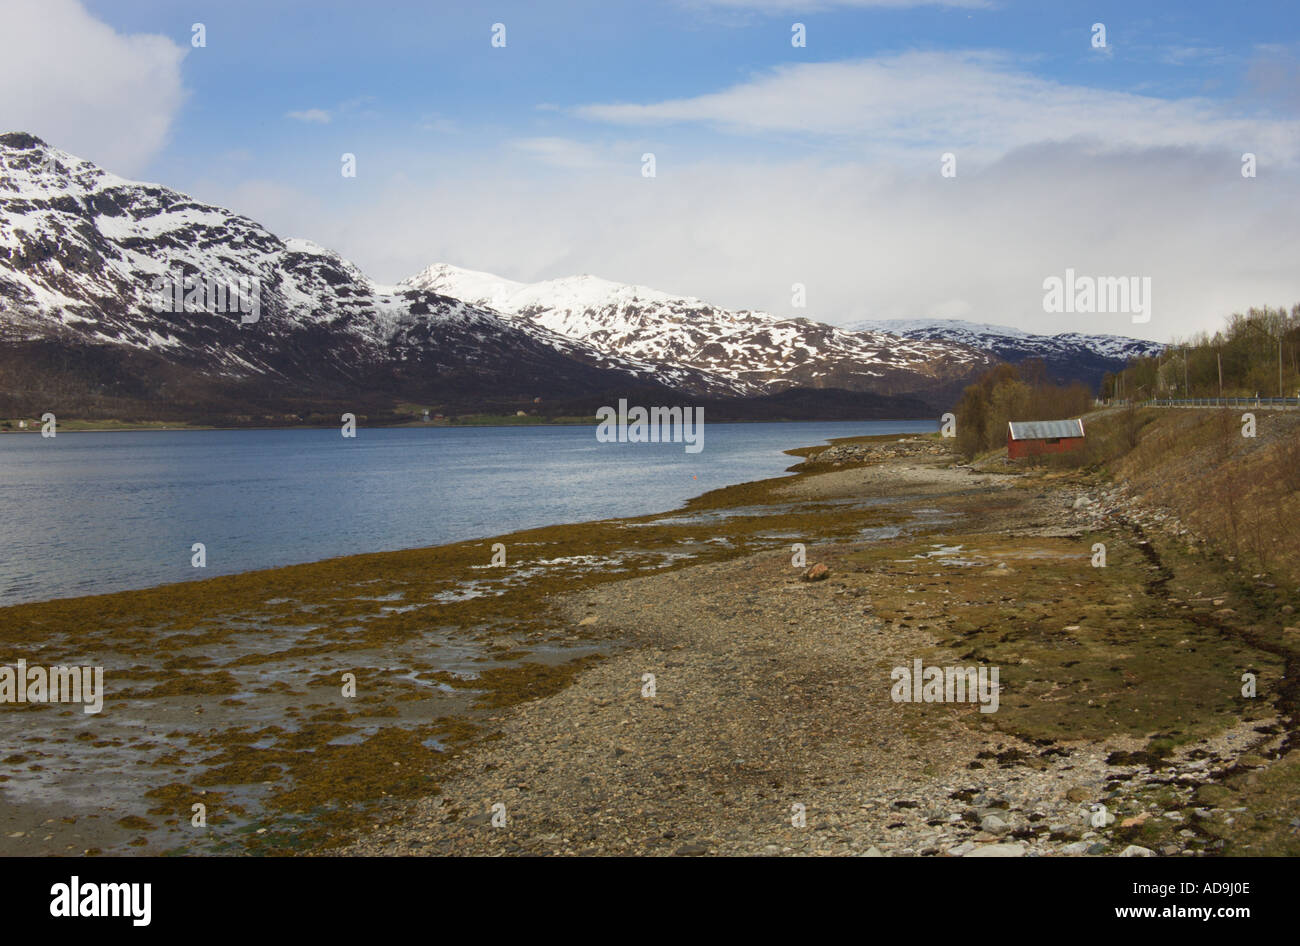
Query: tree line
pixel 1255 354
pixel 1013 393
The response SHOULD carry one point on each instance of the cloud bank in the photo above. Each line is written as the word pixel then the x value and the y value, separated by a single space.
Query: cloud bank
pixel 82 86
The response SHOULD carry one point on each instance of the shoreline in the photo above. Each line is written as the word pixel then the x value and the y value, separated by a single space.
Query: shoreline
pixel 794 452
pixel 763 739
pixel 325 614
pixel 416 425
pixel 530 676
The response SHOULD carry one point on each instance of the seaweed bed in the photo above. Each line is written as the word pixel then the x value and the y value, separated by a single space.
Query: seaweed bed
pixel 230 692
pixel 234 693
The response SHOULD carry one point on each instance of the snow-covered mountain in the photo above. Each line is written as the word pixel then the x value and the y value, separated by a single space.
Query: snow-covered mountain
pixel 757 352
pixel 89 312
pixel 1069 356
pixel 88 259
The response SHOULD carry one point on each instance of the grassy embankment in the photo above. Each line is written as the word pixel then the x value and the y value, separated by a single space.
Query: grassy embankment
pixel 1242 495
pixel 1155 644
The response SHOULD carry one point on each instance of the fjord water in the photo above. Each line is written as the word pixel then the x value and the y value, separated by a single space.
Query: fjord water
pixel 85 513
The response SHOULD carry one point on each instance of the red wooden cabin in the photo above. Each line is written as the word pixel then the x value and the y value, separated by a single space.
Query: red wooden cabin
pixel 1032 437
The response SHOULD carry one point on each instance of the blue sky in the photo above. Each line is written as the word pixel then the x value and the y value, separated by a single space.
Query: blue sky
pixel 394 74
pixel 774 164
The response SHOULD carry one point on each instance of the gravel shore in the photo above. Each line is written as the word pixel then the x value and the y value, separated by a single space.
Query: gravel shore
pixel 770 728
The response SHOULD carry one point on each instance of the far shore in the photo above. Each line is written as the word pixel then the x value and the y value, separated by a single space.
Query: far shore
pixel 81 427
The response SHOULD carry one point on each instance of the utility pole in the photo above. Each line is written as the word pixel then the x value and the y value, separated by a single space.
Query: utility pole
pixel 1219 355
pixel 1187 391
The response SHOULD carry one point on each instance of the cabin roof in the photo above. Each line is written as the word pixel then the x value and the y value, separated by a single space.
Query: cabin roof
pixel 1045 429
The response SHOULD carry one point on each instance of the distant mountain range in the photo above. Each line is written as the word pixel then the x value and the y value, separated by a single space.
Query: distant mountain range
pixel 1068 356
pixel 118 298
pixel 750 352
pixel 82 250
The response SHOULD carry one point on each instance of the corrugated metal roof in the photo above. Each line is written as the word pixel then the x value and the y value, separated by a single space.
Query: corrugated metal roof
pixel 1044 429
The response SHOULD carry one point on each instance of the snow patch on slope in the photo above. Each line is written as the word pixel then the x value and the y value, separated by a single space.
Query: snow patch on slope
pixel 755 352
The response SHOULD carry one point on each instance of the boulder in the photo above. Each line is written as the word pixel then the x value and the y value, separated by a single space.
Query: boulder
pixel 994 825
pixel 998 850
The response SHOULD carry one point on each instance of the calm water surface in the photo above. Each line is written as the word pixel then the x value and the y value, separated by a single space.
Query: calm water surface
pixel 84 513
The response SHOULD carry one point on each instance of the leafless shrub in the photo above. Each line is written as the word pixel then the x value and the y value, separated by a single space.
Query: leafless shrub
pixel 1227 434
pixel 1287 464
pixel 1227 496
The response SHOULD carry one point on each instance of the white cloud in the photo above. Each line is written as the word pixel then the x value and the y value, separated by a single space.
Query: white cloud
pixel 975 103
pixel 285 209
pixel 1194 55
pixel 834 182
pixel 85 88
pixel 560 152
pixel 354 108
pixel 432 121
pixel 867 241
pixel 316 116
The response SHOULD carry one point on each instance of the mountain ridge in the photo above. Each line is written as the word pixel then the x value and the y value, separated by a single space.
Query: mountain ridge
pixel 1067 356
pixel 84 251
pixel 760 352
